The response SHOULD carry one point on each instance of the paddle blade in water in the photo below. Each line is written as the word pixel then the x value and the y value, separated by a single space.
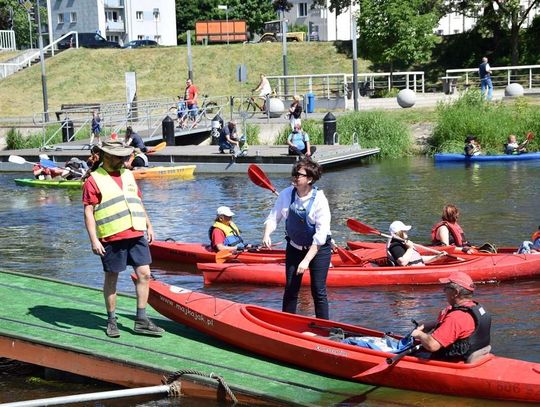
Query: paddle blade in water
pixel 258 177
pixel 360 227
pixel 17 159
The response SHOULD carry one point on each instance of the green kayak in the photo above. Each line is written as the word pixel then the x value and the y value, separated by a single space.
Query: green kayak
pixel 32 182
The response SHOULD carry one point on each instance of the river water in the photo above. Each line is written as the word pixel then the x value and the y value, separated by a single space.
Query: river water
pixel 43 234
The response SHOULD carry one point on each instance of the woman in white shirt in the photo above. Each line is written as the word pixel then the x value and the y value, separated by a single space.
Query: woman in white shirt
pixel 307 223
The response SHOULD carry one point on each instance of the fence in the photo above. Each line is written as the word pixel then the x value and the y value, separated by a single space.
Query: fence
pixel 332 86
pixel 7 40
pixel 526 75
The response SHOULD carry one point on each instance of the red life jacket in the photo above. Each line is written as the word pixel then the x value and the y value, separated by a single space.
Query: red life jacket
pixel 535 235
pixel 456 233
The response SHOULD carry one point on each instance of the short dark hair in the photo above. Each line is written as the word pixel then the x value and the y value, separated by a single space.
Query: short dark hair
pixel 129 130
pixel 313 169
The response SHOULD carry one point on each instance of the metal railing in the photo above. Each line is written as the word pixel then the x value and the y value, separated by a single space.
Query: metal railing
pixel 7 40
pixel 526 75
pixel 9 68
pixel 332 86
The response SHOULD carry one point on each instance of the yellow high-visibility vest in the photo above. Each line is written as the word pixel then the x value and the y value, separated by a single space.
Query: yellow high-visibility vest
pixel 119 209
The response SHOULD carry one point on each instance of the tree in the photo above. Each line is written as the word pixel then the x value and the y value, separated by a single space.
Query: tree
pixel 496 16
pixel 14 16
pixel 339 6
pixel 397 32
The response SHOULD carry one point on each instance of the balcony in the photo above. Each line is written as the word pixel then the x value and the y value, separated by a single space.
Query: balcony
pixel 115 26
pixel 113 3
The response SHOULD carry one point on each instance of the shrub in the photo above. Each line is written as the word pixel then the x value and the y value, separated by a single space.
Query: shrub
pixel 252 132
pixel 373 129
pixel 490 122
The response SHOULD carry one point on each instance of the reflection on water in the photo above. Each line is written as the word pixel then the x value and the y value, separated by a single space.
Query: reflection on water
pixel 43 233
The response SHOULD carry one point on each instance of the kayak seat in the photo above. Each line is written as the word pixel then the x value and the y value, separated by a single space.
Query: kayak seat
pixel 478 354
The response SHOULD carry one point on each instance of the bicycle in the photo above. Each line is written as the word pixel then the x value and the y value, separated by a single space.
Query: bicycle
pixel 209 108
pixel 247 106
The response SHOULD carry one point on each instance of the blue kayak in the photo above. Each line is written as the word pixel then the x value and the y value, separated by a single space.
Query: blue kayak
pixel 453 157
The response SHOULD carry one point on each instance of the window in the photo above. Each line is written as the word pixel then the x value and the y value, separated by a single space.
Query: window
pixel 60 19
pixel 139 15
pixel 140 37
pixel 156 14
pixel 440 32
pixel 72 17
pixel 302 9
pixel 157 38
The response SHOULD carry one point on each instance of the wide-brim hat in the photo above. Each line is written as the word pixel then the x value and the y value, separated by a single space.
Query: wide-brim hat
pixel 460 278
pixel 116 148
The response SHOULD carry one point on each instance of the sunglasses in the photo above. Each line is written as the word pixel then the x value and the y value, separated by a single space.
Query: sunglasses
pixel 298 174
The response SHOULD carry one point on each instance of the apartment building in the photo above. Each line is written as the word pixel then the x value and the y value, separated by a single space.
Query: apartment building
pixel 117 20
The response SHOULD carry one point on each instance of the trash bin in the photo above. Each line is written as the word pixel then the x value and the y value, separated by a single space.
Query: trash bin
pixel 329 128
pixel 68 130
pixel 167 128
pixel 310 102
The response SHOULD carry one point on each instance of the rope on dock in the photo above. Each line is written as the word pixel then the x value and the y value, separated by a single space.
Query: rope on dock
pixel 176 376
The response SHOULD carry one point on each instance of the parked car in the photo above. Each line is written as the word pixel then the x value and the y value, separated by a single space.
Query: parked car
pixel 87 40
pixel 140 43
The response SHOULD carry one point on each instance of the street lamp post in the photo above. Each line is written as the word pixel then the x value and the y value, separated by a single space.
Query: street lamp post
pixel 226 8
pixel 42 61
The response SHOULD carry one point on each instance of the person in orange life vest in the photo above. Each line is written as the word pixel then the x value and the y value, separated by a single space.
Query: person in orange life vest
pixel 448 232
pixel 224 234
pixel 462 328
pixel 41 172
pixel 400 249
pixel 116 222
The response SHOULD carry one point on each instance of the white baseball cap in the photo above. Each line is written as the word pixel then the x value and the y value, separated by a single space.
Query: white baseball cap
pixel 225 211
pixel 43 157
pixel 397 226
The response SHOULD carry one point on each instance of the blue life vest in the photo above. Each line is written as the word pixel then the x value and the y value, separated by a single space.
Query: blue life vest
pixel 298 228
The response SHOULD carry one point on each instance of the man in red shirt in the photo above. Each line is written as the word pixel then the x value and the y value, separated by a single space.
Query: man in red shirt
pixel 190 96
pixel 116 222
pixel 462 328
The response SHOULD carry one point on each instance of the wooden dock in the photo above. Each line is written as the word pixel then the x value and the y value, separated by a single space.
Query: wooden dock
pixel 62 326
pixel 208 159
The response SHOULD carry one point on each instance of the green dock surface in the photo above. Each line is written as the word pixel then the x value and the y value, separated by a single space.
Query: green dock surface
pixel 69 316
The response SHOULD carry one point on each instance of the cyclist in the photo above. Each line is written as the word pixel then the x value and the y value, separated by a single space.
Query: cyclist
pixel 264 89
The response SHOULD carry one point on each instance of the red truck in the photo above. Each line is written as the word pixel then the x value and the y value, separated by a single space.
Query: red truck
pixel 221 31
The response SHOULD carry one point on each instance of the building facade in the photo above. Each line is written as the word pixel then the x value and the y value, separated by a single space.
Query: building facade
pixel 116 20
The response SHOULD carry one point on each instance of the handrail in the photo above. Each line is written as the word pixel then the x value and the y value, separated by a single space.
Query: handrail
pixel 508 69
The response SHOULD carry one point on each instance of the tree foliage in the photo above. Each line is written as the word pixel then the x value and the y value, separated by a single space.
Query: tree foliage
pixel 394 32
pixel 12 10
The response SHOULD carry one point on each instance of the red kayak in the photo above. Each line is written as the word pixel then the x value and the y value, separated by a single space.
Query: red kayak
pixel 304 342
pixel 192 253
pixel 358 245
pixel 481 267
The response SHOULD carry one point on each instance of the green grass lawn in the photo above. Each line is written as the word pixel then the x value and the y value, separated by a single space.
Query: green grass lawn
pixel 85 75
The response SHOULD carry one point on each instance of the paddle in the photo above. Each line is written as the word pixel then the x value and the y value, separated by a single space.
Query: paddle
pixel 157 147
pixel 19 160
pixel 223 255
pixel 259 178
pixel 348 257
pixel 360 227
pixel 388 362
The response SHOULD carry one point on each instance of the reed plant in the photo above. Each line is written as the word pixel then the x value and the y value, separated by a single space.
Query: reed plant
pixel 368 129
pixel 490 122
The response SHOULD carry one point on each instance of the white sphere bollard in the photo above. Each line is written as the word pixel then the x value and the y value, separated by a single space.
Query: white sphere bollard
pixel 514 89
pixel 275 107
pixel 406 98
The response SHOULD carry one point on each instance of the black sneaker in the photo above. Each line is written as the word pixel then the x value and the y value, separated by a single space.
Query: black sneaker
pixel 147 327
pixel 112 329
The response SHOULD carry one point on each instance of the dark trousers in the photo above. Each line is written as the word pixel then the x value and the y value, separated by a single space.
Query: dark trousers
pixel 318 271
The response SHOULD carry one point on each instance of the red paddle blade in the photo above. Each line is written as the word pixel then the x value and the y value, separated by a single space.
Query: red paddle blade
pixel 348 257
pixel 530 136
pixel 258 177
pixel 360 227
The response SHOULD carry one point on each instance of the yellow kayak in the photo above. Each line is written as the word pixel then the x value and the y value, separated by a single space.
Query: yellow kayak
pixel 179 171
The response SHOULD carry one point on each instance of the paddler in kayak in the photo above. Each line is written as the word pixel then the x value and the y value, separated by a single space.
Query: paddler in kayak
pixel 400 249
pixel 116 222
pixel 532 246
pixel 448 232
pixel 224 234
pixel 307 222
pixel 463 329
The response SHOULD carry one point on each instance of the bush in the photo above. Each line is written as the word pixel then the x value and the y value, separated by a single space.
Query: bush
pixel 490 122
pixel 373 129
pixel 53 135
pixel 16 141
pixel 252 132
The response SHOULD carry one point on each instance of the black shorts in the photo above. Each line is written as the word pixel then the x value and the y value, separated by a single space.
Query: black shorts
pixel 122 253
